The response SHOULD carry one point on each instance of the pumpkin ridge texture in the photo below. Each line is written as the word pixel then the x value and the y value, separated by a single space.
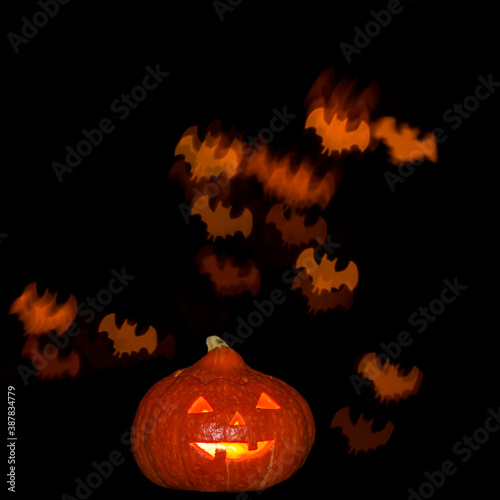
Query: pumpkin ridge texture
pixel 182 445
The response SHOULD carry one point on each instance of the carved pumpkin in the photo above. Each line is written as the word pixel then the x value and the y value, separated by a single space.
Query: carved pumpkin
pixel 219 425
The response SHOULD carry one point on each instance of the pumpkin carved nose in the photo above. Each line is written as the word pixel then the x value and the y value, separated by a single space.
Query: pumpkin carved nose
pixel 237 419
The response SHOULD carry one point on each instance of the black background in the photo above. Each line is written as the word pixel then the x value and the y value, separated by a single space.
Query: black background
pixel 118 209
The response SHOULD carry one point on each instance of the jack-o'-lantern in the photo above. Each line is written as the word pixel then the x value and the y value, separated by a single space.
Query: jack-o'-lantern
pixel 219 425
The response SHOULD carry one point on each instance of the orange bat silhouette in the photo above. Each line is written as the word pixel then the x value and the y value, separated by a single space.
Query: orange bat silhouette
pixel 124 339
pixel 41 315
pixel 296 186
pixel 361 436
pixel 99 356
pixel 219 221
pixel 293 230
pixel 228 278
pixel 324 276
pixel 340 113
pixel 389 383
pixel 47 362
pixel 403 144
pixel 334 134
pixel 324 300
pixel 209 158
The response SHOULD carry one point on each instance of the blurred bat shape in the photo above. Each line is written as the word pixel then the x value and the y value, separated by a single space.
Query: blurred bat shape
pixel 324 276
pixel 297 186
pixel 228 278
pixel 48 363
pixel 324 300
pixel 293 230
pixel 43 314
pixel 124 339
pixel 360 436
pixel 210 157
pixel 219 221
pixel 340 113
pixel 334 134
pixel 403 143
pixel 388 381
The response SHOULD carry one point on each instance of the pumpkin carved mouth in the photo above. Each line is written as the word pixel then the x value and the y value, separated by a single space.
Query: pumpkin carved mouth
pixel 233 450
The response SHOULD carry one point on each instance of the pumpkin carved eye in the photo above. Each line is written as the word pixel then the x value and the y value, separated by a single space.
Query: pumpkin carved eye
pixel 201 405
pixel 265 402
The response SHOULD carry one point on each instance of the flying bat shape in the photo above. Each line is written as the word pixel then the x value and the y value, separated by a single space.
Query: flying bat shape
pixel 228 278
pixel 296 186
pixel 124 339
pixel 360 436
pixel 334 134
pixel 324 300
pixel 219 221
pixel 388 381
pixel 53 366
pixel 59 367
pixel 209 158
pixel 403 144
pixel 340 112
pixel 324 275
pixel 43 314
pixel 293 230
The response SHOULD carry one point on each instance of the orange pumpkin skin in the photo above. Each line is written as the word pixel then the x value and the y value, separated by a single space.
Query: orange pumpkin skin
pixel 210 428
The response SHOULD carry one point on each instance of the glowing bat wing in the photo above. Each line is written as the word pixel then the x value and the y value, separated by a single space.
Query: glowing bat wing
pixel 306 259
pixel 189 145
pixel 349 276
pixel 316 120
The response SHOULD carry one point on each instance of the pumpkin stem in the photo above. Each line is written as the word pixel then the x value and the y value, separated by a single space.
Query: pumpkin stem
pixel 213 341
